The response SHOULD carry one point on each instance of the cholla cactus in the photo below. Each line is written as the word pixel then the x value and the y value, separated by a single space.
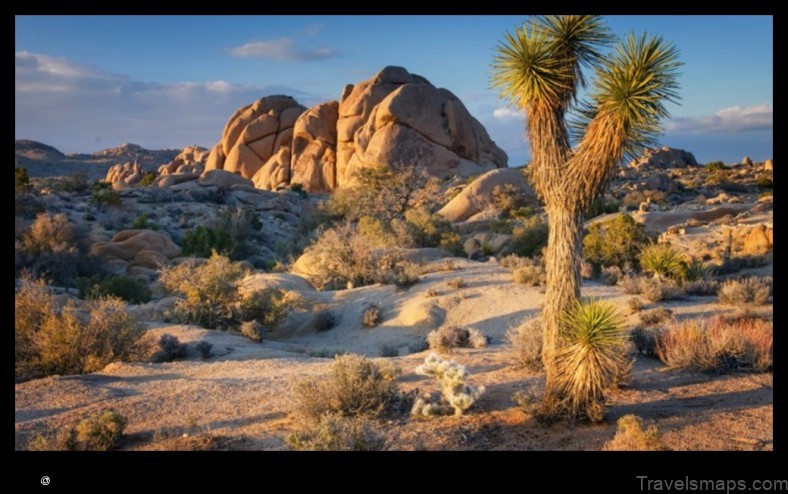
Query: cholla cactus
pixel 457 395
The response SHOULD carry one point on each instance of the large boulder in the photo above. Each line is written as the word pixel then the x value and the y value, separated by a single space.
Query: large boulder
pixel 314 154
pixel 191 160
pixel 478 196
pixel 400 120
pixel 665 157
pixel 123 175
pixel 255 133
pixel 223 179
pixel 128 244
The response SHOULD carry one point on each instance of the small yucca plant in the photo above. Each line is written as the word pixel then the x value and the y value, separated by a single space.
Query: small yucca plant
pixel 695 270
pixel 593 359
pixel 662 260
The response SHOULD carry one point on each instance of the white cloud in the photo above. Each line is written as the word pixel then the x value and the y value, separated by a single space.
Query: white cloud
pixel 283 49
pixel 734 119
pixel 77 107
pixel 505 112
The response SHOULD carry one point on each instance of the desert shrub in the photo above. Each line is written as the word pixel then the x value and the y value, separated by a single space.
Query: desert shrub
pixel 694 270
pixel 252 330
pixel 615 242
pixel 645 340
pixel 50 233
pixel 102 432
pixel 204 348
pixel 387 350
pixel 457 395
pixel 713 166
pixel 170 348
pixel 593 359
pixel 501 226
pixel 126 288
pixel 635 305
pixel 701 287
pixel 209 291
pixel 718 345
pixel 353 386
pixel 456 283
pixel 334 432
pixel 103 196
pixel 655 316
pixel 76 183
pixel 428 230
pixel 298 189
pixel 203 240
pixel 383 193
pixel 373 316
pixel 21 180
pixel 747 291
pixel 141 222
pixel 507 198
pixel 51 340
pixel 269 307
pixel 446 338
pixel 529 240
pixel 632 436
pixel 345 258
pixel 526 343
pixel 324 320
pixel 403 275
pixel 653 289
pixel 383 233
pixel 602 206
pixel 148 179
pixel 610 275
pixel 764 181
pixel 532 274
pixel 636 197
pixel 661 260
pixel 230 232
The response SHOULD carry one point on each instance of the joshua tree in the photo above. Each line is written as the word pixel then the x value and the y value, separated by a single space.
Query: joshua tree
pixel 539 69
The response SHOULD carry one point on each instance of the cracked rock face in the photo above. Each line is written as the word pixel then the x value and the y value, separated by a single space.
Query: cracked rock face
pixel 395 119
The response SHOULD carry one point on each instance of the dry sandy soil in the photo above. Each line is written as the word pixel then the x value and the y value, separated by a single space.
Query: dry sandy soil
pixel 241 396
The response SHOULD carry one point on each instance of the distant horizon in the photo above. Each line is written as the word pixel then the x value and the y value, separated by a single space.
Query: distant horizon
pixel 86 83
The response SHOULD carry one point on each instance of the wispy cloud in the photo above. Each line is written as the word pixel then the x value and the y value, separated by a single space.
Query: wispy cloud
pixel 75 106
pixel 313 29
pixel 734 119
pixel 505 113
pixel 283 49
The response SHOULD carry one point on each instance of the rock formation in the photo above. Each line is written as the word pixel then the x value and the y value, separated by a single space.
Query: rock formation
pixel 124 175
pixel 191 160
pixel 665 157
pixel 477 196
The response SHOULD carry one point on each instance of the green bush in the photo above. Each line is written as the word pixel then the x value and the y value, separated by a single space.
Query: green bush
pixel 661 260
pixel 232 232
pixel 507 199
pixel 141 222
pixel 98 433
pixel 428 230
pixel 203 240
pixel 148 179
pixel 126 288
pixel 713 166
pixel 615 242
pixel 209 290
pixel 103 196
pixel 170 348
pixel 21 180
pixel 593 359
pixel 503 227
pixel 602 206
pixel 529 240
pixel 269 307
pixel 298 189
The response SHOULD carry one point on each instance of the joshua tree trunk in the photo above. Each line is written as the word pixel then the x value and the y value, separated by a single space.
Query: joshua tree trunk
pixel 562 261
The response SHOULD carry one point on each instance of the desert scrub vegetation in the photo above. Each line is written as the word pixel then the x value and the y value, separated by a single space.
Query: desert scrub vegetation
pixel 21 180
pixel 232 232
pixel 653 289
pixel 529 239
pixel 447 338
pixel 456 395
pixel 661 260
pixel 507 199
pixel 744 292
pixel 530 271
pixel 600 206
pixel 615 242
pixel 525 342
pixel 372 317
pixel 324 320
pixel 170 348
pixel 718 345
pixel 353 386
pixel 333 432
pixel 104 197
pixel 655 316
pixel 429 230
pixel 593 361
pixel 268 307
pixel 102 432
pixel 631 435
pixel 132 290
pixel 456 283
pixel 142 222
pixel 208 289
pixel 69 340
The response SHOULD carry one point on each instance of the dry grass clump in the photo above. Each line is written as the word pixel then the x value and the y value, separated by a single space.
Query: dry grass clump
pixel 631 435
pixel 69 340
pixel 373 316
pixel 50 233
pixel 354 386
pixel 98 433
pixel 456 283
pixel 531 273
pixel 655 316
pixel 525 341
pixel 634 304
pixel 653 289
pixel 457 395
pixel 333 432
pixel 593 360
pixel 446 338
pixel 747 291
pixel 718 345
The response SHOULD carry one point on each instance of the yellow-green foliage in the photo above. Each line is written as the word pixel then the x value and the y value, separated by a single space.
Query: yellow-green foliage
pixel 428 230
pixel 632 436
pixel 615 242
pixel 529 240
pixel 593 360
pixel 209 290
pixel 661 260
pixel 50 233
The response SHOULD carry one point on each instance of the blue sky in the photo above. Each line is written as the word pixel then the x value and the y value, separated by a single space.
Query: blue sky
pixel 85 83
